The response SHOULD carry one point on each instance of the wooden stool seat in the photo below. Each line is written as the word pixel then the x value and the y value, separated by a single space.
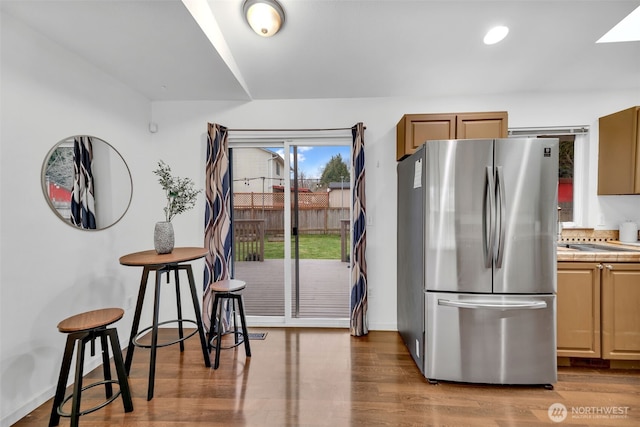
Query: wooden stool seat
pixel 90 320
pixel 227 290
pixel 228 285
pixel 81 329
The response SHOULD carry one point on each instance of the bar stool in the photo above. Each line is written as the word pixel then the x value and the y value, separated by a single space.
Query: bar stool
pixel 84 328
pixel 227 290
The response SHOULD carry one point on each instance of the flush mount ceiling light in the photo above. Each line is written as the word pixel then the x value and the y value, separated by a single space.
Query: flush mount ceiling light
pixel 264 16
pixel 496 34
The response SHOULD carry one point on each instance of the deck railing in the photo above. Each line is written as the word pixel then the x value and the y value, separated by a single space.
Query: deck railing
pixel 344 239
pixel 248 239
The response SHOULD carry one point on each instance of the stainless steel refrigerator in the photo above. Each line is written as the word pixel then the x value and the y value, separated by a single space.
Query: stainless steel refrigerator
pixel 477 259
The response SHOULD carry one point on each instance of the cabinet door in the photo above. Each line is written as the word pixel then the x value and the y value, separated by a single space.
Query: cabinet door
pixel 620 311
pixel 482 125
pixel 578 309
pixel 619 152
pixel 414 129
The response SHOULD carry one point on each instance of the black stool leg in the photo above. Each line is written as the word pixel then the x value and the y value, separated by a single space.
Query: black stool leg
pixel 220 305
pixel 179 304
pixel 212 326
pixel 235 323
pixel 106 366
pixel 245 333
pixel 77 386
pixel 120 370
pixel 54 420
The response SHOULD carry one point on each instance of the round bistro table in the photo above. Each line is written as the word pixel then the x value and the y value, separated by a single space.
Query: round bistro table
pixel 175 261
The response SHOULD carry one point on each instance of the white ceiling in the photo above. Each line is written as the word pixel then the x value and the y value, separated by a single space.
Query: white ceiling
pixel 345 48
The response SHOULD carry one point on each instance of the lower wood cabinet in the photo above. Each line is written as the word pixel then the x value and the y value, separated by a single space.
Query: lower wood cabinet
pixel 598 310
pixel 621 311
pixel 578 309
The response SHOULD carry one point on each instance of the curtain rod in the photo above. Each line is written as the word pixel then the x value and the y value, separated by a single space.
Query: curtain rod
pixel 287 130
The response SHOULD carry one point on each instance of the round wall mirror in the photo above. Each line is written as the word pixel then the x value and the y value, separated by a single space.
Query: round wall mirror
pixel 86 182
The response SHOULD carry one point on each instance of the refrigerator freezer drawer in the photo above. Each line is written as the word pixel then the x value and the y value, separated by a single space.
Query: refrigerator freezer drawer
pixel 494 339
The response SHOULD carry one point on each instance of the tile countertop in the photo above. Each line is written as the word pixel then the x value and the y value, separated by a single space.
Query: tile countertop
pixel 568 254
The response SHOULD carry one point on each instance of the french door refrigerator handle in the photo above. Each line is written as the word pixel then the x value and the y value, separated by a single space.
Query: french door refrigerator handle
pixel 501 204
pixel 488 241
pixel 524 305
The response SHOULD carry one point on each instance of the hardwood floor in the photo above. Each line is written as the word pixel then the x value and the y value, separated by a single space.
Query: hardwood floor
pixel 318 377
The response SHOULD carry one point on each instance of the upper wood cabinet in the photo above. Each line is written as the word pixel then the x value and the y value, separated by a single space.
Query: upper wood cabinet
pixel 414 129
pixel 619 153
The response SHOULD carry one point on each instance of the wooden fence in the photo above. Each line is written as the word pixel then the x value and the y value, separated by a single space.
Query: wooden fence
pixel 314 214
pixel 310 221
pixel 257 215
pixel 268 201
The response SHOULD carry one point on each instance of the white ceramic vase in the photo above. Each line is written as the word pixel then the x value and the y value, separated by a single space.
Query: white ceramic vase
pixel 163 238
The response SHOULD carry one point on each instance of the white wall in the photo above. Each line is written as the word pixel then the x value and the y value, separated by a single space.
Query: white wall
pixel 50 271
pixel 380 116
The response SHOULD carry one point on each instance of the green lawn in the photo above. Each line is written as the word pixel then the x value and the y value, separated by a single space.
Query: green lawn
pixel 312 246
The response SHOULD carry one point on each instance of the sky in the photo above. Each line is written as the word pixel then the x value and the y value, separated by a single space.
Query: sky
pixel 312 159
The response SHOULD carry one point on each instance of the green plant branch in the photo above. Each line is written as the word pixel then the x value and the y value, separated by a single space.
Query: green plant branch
pixel 180 192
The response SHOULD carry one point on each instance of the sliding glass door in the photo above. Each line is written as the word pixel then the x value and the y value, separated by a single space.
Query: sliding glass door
pixel 258 175
pixel 320 232
pixel 291 231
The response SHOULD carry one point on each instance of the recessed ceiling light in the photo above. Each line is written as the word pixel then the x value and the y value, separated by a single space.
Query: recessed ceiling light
pixel 496 34
pixel 626 30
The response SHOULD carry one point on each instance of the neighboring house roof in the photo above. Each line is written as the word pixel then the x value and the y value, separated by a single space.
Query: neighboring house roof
pixel 339 185
pixel 273 154
pixel 280 189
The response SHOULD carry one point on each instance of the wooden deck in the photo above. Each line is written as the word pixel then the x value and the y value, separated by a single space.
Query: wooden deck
pixel 324 288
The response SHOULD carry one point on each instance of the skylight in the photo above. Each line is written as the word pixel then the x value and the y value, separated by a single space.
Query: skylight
pixel 624 31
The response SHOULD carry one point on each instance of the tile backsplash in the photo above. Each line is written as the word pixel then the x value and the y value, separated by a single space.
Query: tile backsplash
pixel 588 235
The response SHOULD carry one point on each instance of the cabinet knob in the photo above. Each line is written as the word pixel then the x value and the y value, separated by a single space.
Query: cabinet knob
pixel 600 267
pixel 609 267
